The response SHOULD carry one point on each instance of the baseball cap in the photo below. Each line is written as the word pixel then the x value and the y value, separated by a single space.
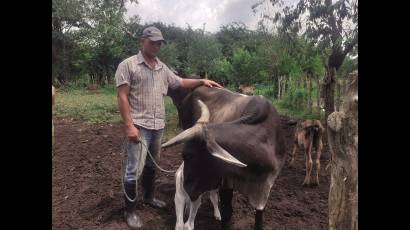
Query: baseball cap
pixel 153 33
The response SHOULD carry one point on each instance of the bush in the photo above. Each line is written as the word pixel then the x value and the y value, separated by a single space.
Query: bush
pixel 295 100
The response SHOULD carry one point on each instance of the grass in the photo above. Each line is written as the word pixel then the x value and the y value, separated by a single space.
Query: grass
pixel 101 107
pixel 297 114
pixel 90 107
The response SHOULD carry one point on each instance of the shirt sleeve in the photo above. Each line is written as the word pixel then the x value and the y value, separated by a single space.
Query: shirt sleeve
pixel 174 81
pixel 122 75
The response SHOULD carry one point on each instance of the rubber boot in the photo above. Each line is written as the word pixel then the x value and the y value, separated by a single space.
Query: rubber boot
pixel 132 218
pixel 148 185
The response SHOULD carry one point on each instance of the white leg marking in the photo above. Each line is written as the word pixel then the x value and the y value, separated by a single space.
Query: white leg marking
pixel 213 195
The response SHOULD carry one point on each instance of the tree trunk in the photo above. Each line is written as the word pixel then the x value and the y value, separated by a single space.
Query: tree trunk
pixel 99 77
pixel 329 91
pixel 279 88
pixel 338 95
pixel 284 86
pixel 342 138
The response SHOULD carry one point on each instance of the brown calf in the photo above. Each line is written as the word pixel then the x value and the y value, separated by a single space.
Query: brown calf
pixel 308 134
pixel 247 89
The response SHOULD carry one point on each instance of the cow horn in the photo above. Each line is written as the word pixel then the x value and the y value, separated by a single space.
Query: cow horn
pixel 204 113
pixel 193 131
pixel 217 151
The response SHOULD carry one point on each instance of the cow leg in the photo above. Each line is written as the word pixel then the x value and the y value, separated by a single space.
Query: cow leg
pixel 193 209
pixel 225 195
pixel 309 164
pixel 319 152
pixel 180 197
pixel 292 161
pixel 259 219
pixel 213 195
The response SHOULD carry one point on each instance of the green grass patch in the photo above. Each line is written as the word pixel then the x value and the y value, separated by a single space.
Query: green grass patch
pixel 171 120
pixel 298 114
pixel 99 107
pixel 77 103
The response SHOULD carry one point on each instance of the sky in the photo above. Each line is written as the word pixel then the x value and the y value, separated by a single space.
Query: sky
pixel 214 13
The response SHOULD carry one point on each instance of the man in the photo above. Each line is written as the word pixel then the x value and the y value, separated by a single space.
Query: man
pixel 142 81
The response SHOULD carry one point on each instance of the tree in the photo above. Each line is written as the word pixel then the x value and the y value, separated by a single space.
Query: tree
pixel 221 70
pixel 330 26
pixel 244 68
pixel 349 65
pixel 229 35
pixel 66 15
pixel 342 134
pixel 91 26
pixel 169 55
pixel 202 52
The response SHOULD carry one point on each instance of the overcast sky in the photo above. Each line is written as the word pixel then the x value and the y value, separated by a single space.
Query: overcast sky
pixel 195 13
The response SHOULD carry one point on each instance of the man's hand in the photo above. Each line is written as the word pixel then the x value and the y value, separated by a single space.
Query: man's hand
pixel 53 93
pixel 133 133
pixel 210 83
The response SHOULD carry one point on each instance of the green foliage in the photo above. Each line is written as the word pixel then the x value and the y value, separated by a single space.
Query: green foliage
pixel 294 113
pixel 295 100
pixel 230 35
pixel 169 55
pixel 266 90
pixel 202 52
pixel 221 70
pixel 244 68
pixel 347 67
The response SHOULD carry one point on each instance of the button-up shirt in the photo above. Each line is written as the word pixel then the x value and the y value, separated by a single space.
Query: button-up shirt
pixel 147 89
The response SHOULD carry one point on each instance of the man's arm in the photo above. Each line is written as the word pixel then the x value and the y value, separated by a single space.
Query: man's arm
pixel 124 106
pixel 192 83
pixel 53 93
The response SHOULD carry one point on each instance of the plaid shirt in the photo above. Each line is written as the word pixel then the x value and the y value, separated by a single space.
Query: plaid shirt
pixel 147 89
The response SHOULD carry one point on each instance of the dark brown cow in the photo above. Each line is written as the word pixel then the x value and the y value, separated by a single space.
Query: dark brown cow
pixel 308 135
pixel 232 142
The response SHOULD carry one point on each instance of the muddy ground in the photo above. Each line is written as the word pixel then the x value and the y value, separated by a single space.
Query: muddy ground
pixel 87 186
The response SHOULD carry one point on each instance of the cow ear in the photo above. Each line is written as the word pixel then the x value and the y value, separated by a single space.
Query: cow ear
pixel 217 151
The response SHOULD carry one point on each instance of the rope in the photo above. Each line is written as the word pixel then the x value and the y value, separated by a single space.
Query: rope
pixel 124 150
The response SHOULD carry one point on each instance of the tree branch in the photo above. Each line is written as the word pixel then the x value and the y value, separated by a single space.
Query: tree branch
pixel 351 44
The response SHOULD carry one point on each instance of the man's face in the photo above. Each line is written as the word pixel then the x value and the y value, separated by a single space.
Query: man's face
pixel 151 48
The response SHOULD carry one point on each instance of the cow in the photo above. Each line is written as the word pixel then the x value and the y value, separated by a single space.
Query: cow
pixel 308 135
pixel 232 142
pixel 247 89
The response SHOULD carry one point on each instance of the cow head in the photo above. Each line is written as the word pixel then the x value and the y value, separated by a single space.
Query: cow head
pixel 247 89
pixel 199 130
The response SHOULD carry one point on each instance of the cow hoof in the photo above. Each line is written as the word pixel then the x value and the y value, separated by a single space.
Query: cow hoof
pixel 226 225
pixel 188 227
pixel 218 217
pixel 306 183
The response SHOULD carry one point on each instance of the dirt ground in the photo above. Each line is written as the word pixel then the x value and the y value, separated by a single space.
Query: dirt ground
pixel 87 186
